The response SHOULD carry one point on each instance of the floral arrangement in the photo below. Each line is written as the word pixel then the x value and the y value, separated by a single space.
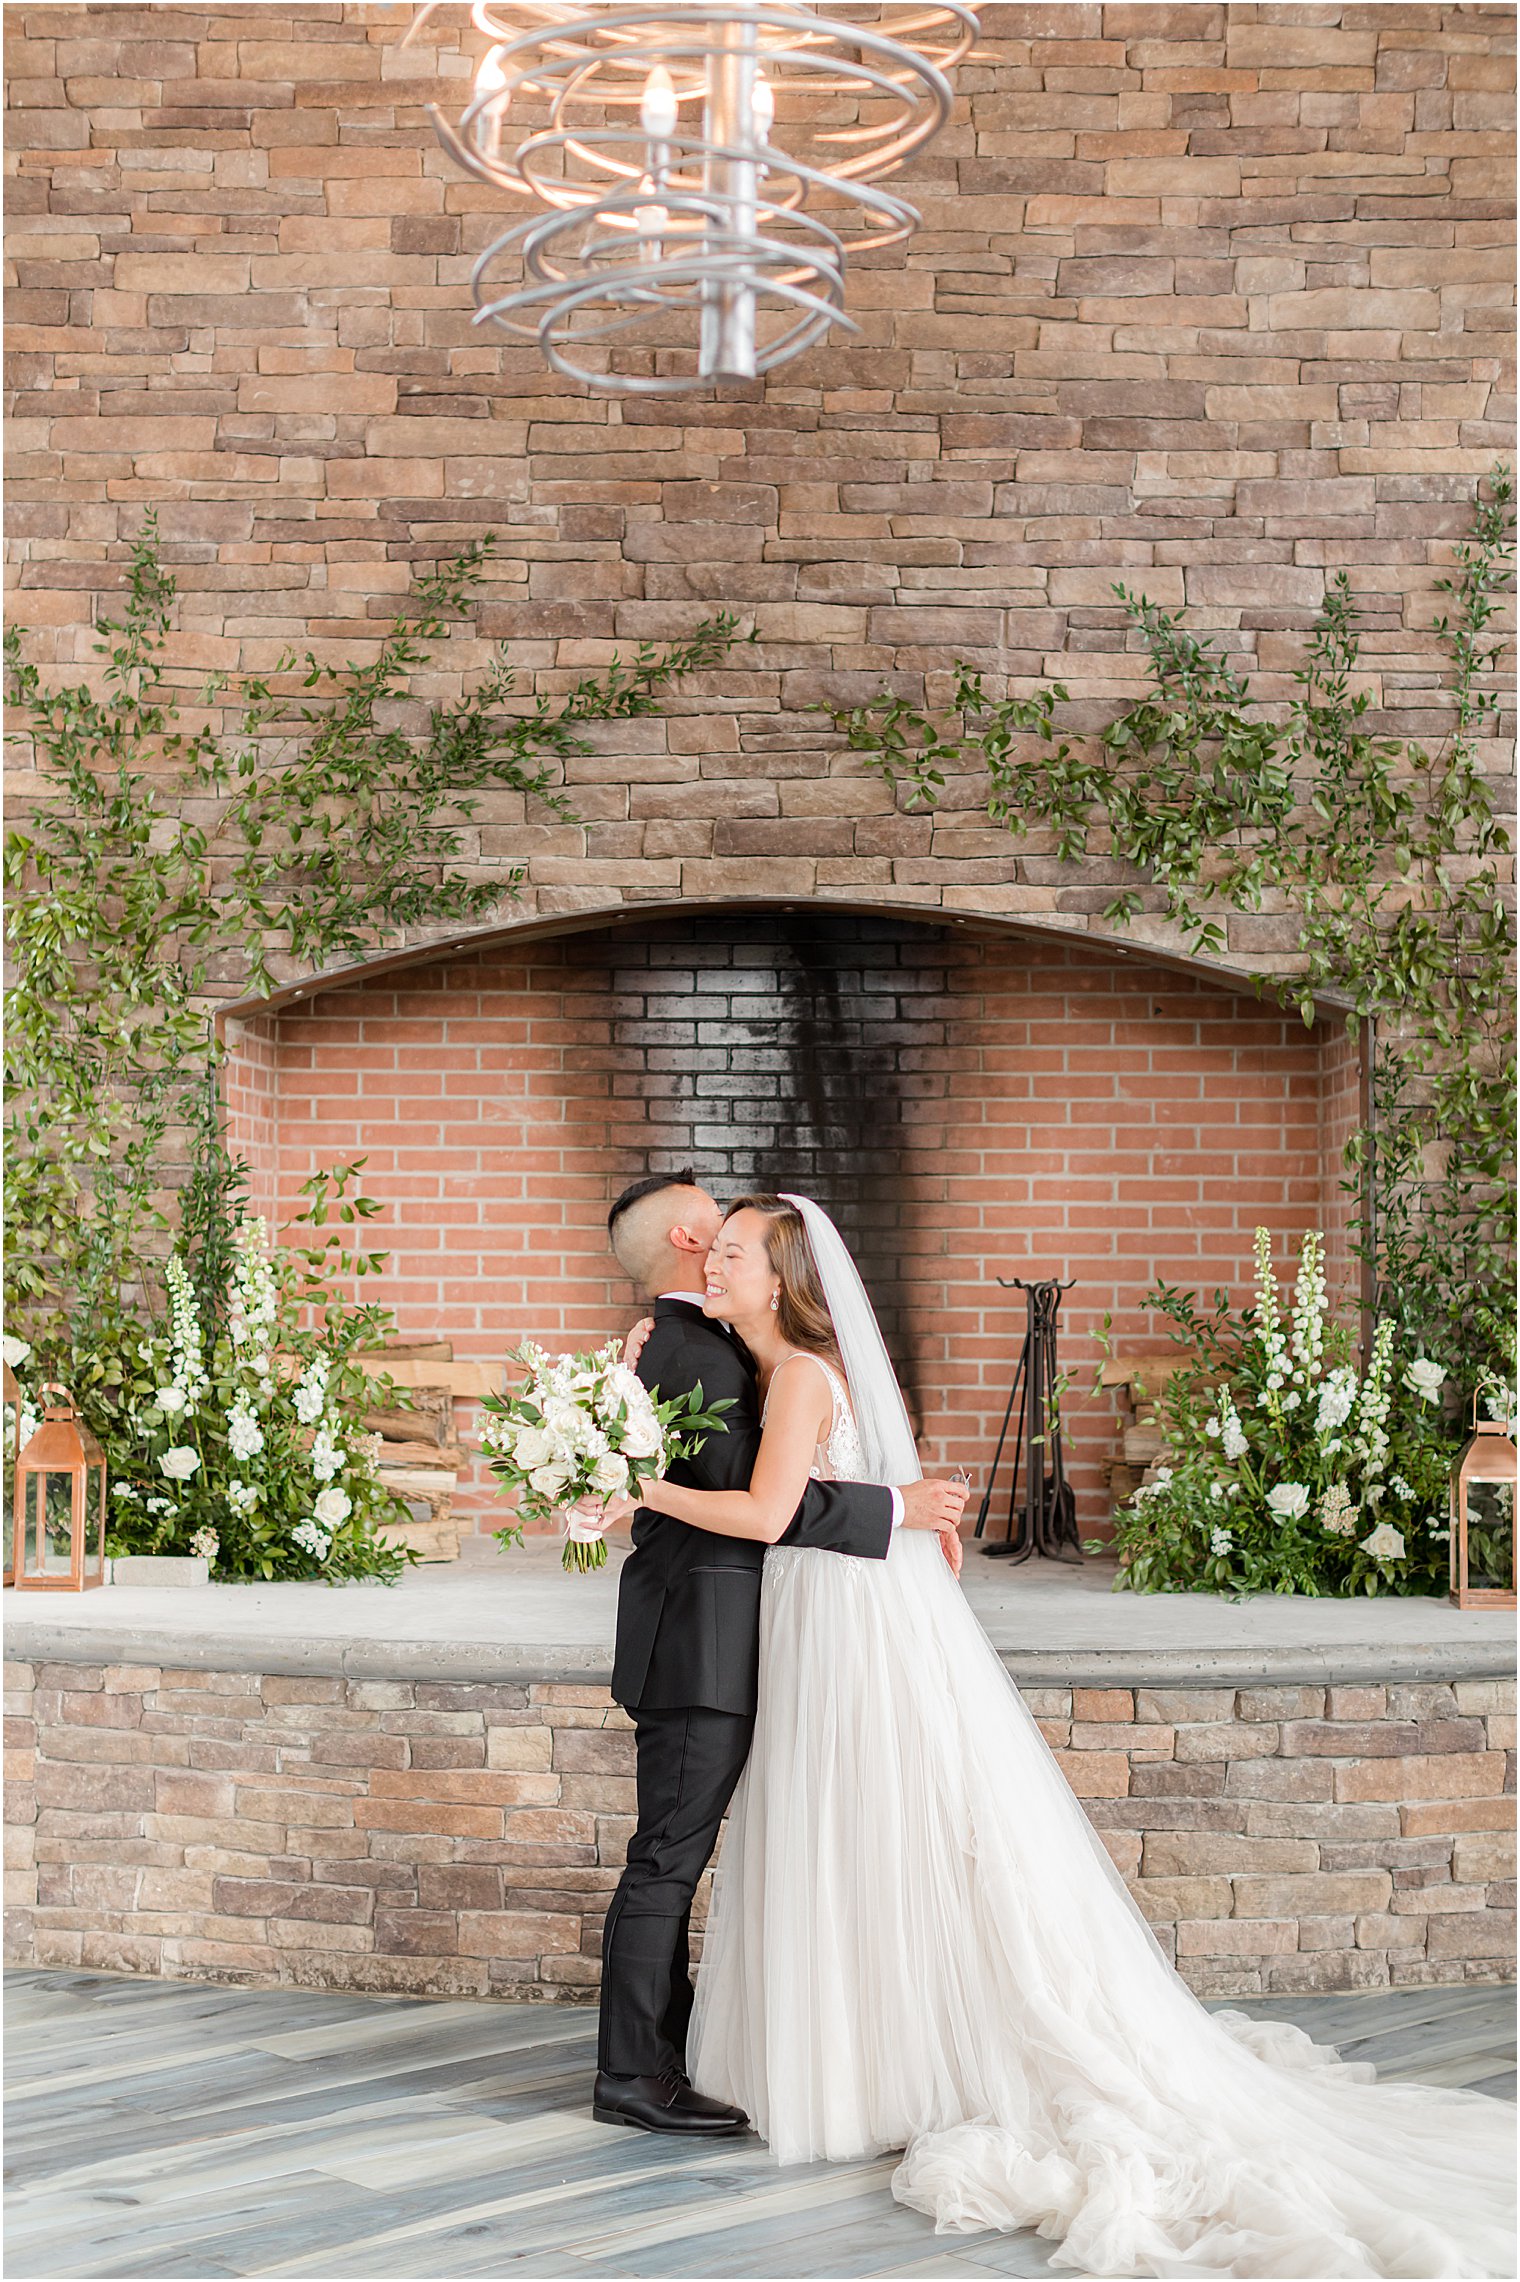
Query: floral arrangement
pixel 582 1430
pixel 1293 1471
pixel 246 1450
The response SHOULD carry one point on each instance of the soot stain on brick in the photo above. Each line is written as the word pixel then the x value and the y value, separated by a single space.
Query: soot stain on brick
pixel 774 1049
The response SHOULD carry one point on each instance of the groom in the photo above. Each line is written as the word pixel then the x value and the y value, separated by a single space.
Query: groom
pixel 687 1660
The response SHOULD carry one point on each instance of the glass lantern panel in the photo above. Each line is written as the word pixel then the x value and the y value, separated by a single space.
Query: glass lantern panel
pixel 94 1498
pixel 49 1513
pixel 1490 1536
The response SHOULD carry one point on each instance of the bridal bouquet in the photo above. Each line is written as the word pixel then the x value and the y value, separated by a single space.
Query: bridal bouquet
pixel 584 1427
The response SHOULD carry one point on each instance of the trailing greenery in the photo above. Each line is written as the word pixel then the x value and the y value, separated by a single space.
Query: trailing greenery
pixel 166 854
pixel 1386 854
pixel 1288 1469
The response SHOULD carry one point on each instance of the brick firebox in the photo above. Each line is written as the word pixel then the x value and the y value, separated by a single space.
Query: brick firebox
pixel 970 1100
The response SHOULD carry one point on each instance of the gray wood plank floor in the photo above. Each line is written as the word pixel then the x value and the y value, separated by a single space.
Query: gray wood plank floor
pixel 163 2129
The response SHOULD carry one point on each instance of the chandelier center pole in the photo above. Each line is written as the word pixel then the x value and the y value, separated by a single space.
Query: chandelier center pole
pixel 726 349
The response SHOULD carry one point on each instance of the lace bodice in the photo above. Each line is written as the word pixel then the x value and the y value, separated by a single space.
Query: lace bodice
pixel 838 1456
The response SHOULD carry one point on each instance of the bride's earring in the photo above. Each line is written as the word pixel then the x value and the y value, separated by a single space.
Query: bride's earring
pixel 775 1303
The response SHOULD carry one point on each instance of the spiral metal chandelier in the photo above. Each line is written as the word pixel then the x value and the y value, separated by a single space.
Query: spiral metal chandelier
pixel 668 205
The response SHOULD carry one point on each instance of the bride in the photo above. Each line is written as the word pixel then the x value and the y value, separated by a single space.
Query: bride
pixel 918 1940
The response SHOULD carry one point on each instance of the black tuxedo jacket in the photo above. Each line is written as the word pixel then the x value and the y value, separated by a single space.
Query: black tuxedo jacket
pixel 688 1624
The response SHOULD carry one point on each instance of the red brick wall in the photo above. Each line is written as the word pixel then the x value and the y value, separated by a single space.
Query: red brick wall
pixel 1034 1108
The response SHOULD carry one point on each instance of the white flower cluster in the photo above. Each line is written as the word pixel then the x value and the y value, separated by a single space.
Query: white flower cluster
pixel 1372 1407
pixel 312 1539
pixel 1336 1511
pixel 206 1543
pixel 1268 1322
pixel 579 1427
pixel 1309 1308
pixel 255 1298
pixel 1220 1540
pixel 1233 1444
pixel 311 1391
pixel 1337 1394
pixel 189 1379
pixel 245 1436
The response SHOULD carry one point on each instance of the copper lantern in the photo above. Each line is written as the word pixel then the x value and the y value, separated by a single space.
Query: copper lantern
pixel 12 1416
pixel 1483 1518
pixel 60 1504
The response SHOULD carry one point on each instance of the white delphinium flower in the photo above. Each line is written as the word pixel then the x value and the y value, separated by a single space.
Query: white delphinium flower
pixel 1292 1399
pixel 1437 1525
pixel 311 1391
pixel 1220 1541
pixel 1268 1321
pixel 1384 1543
pixel 126 1493
pixel 15 1351
pixel 1336 1512
pixel 311 1539
pixel 332 1506
pixel 1400 1487
pixel 326 1458
pixel 245 1436
pixel 1376 1395
pixel 1309 1306
pixel 1336 1395
pixel 255 1298
pixel 242 1496
pixel 185 1330
pixel 1424 1378
pixel 180 1463
pixel 206 1543
pixel 1234 1443
pixel 1288 1500
pixel 159 1505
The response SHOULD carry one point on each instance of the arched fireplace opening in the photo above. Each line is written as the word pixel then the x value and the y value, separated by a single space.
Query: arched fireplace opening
pixel 969 1100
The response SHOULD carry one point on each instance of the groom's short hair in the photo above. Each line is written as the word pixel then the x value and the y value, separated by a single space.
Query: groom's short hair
pixel 639 1234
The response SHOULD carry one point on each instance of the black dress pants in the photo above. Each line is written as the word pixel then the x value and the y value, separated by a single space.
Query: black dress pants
pixel 689 1761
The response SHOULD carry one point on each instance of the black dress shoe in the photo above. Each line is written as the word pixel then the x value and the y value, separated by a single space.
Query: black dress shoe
pixel 664 2103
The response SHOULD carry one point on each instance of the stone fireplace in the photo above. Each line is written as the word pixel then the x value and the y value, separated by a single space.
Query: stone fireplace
pixel 970 1100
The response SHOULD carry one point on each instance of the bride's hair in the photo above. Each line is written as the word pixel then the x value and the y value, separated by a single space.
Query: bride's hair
pixel 802 1317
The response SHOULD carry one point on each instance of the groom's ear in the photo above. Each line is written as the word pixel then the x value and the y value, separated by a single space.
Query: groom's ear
pixel 683 1240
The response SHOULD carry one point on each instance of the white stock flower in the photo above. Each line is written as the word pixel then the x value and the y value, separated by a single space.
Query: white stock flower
pixel 311 1392
pixel 245 1436
pixel 16 1351
pixel 1309 1304
pixel 1425 1379
pixel 326 1457
pixel 179 1464
pixel 242 1496
pixel 1384 1543
pixel 1336 1396
pixel 1220 1541
pixel 333 1506
pixel 1288 1500
pixel 311 1539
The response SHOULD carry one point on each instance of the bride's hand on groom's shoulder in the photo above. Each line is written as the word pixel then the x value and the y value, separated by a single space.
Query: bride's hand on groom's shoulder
pixel 633 1345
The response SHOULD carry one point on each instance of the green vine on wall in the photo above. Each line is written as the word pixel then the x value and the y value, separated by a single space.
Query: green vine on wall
pixel 167 855
pixel 1387 854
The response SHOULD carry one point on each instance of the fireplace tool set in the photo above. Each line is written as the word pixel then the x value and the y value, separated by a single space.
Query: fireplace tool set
pixel 1045 1521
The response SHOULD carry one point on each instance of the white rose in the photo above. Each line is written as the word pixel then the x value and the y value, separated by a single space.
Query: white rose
pixel 331 1507
pixel 610 1473
pixel 531 1449
pixel 16 1352
pixel 170 1400
pixel 1384 1543
pixel 1425 1379
pixel 180 1464
pixel 641 1437
pixel 1288 1500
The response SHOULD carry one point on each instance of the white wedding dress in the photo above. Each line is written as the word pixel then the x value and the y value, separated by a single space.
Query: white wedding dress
pixel 918 1941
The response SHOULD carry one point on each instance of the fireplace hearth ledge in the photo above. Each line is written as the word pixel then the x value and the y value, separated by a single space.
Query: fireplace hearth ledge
pixel 1053 1627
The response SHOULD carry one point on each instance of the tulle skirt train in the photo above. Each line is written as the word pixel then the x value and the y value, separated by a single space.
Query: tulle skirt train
pixel 918 1941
